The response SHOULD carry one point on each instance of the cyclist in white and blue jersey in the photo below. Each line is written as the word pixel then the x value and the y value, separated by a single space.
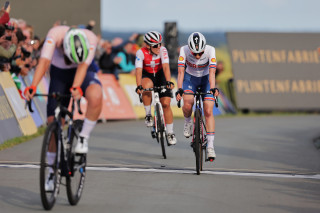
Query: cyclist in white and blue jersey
pixel 197 67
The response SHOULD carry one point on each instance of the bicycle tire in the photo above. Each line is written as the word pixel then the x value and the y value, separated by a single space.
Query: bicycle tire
pixel 197 143
pixel 161 133
pixel 77 167
pixel 48 198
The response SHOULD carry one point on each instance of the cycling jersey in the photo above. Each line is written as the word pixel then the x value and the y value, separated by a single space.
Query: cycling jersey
pixel 149 62
pixel 197 67
pixel 53 50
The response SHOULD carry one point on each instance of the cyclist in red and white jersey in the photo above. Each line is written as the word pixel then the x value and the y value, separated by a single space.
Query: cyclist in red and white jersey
pixel 152 69
pixel 197 67
pixel 68 52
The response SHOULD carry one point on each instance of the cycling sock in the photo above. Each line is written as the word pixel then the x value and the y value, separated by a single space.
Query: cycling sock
pixel 87 128
pixel 170 128
pixel 188 119
pixel 148 109
pixel 51 156
pixel 210 138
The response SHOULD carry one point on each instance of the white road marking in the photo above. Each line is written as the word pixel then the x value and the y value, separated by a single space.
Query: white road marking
pixel 177 171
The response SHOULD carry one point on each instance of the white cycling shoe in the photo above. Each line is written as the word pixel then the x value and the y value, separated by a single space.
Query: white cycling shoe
pixel 172 140
pixel 49 185
pixel 148 121
pixel 82 146
pixel 211 154
pixel 187 130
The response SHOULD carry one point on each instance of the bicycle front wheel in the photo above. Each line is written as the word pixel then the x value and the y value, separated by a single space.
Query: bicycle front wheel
pixel 160 130
pixel 47 167
pixel 197 144
pixel 77 166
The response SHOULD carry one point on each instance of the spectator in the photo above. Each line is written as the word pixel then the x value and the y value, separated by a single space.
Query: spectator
pixel 127 58
pixel 219 70
pixel 108 61
pixel 4 15
pixel 8 44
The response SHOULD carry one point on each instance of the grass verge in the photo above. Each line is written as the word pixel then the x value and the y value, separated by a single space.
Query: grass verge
pixel 14 141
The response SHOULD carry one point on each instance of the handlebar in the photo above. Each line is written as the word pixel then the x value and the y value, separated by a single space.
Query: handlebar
pixel 155 88
pixel 56 96
pixel 199 93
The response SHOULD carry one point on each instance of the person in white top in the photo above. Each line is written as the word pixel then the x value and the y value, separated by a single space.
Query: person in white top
pixel 152 69
pixel 197 67
pixel 67 53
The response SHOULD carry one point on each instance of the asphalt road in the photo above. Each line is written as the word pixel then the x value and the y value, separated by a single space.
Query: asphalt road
pixel 264 164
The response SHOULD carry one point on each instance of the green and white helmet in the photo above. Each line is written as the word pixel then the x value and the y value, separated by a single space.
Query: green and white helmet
pixel 76 45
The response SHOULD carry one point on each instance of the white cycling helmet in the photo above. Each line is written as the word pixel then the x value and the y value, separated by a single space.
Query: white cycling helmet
pixel 196 42
pixel 76 45
pixel 152 38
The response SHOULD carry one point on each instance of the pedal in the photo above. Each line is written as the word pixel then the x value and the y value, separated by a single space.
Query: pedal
pixel 153 134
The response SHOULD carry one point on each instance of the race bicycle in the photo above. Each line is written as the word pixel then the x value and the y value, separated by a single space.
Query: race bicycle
pixel 159 130
pixel 199 136
pixel 61 136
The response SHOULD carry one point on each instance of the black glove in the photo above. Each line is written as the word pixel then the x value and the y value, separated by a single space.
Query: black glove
pixel 139 88
pixel 213 90
pixel 169 83
pixel 179 91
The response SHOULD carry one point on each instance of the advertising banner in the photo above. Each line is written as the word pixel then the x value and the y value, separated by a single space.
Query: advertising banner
pixel 276 70
pixel 115 102
pixel 9 127
pixel 24 119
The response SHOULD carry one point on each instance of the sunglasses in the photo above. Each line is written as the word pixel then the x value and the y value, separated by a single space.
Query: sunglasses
pixel 195 54
pixel 157 45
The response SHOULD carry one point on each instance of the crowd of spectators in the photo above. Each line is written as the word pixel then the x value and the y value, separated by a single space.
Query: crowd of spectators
pixel 19 47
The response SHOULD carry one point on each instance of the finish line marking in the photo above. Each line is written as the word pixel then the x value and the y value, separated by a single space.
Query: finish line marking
pixel 176 171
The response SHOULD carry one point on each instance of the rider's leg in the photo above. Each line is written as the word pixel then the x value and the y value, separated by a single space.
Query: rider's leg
pixel 165 102
pixel 146 99
pixel 147 96
pixel 93 96
pixel 188 101
pixel 210 123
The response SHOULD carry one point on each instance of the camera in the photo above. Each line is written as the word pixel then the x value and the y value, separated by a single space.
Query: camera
pixel 25 52
pixel 9 27
pixel 8 38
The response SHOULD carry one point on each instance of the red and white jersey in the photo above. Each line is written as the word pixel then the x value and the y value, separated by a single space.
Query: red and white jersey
pixel 53 50
pixel 149 62
pixel 197 67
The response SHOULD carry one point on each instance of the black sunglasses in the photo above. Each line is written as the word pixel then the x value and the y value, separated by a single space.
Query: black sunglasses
pixel 195 54
pixel 156 45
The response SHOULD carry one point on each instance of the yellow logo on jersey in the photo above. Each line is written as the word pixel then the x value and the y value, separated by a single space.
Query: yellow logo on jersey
pixel 213 60
pixel 181 58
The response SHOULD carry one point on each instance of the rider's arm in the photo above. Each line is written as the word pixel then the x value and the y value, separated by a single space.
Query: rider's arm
pixel 181 67
pixel 165 63
pixel 212 78
pixel 139 65
pixel 41 69
pixel 139 76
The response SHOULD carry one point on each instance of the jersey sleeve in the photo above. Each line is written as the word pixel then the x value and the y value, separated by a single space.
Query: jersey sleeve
pixel 49 45
pixel 139 59
pixel 182 58
pixel 212 58
pixel 164 55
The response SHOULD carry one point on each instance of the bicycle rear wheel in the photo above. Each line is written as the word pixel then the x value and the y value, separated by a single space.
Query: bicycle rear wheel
pixel 48 198
pixel 77 167
pixel 197 144
pixel 160 130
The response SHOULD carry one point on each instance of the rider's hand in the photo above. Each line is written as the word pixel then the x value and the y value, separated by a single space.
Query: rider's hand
pixel 76 92
pixel 29 92
pixel 170 85
pixel 214 91
pixel 139 89
pixel 179 94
